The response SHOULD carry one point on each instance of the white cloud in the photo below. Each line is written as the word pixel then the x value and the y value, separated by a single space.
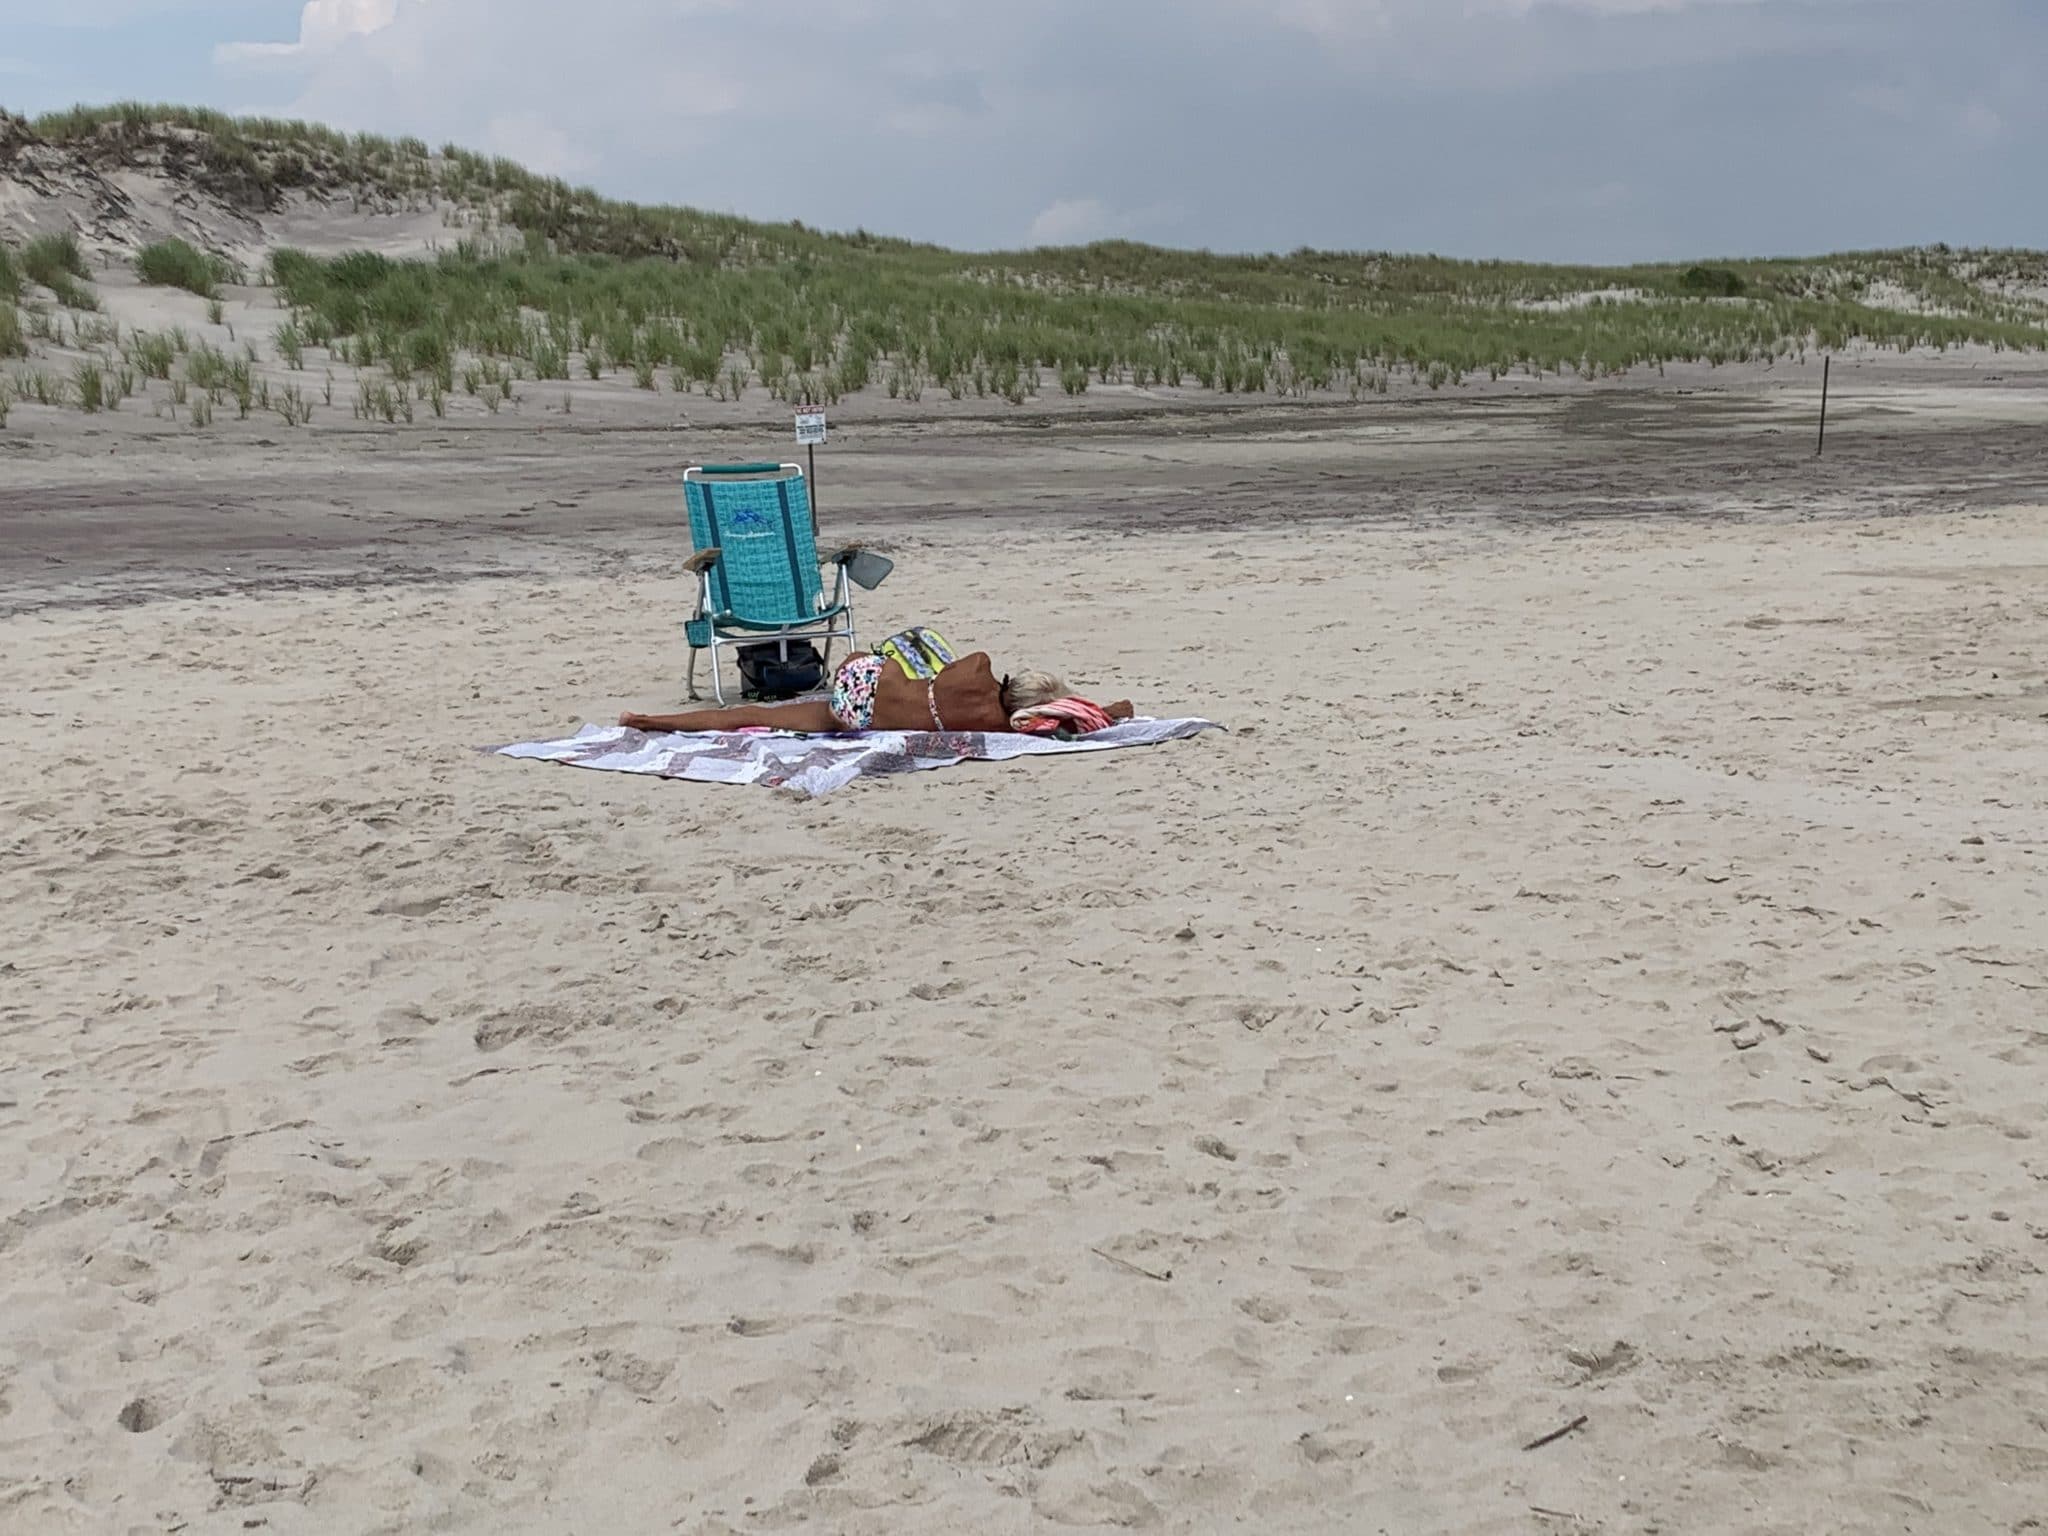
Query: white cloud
pixel 323 25
pixel 1982 123
pixel 537 144
pixel 1082 220
pixel 1076 221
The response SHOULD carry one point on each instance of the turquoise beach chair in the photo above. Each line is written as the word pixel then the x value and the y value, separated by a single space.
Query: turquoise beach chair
pixel 757 566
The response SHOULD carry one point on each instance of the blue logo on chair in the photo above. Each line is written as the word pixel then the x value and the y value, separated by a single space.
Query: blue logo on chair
pixel 750 520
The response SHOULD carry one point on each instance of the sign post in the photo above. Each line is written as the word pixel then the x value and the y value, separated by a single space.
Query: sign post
pixel 810 431
pixel 1826 367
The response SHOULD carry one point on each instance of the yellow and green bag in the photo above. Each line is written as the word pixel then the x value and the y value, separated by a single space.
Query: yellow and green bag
pixel 920 652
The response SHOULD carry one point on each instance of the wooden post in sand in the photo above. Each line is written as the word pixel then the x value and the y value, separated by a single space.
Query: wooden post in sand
pixel 1826 364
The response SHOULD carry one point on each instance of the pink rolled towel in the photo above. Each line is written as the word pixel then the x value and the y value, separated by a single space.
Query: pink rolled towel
pixel 1078 716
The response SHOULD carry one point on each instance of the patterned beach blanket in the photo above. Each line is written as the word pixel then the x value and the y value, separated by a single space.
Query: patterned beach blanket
pixel 817 765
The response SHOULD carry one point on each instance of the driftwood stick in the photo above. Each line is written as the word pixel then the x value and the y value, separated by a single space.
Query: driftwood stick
pixel 1136 1269
pixel 1556 1434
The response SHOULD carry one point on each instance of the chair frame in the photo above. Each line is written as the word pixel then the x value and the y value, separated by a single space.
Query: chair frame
pixel 834 621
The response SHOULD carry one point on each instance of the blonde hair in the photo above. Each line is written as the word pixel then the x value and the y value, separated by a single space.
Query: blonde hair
pixel 1030 688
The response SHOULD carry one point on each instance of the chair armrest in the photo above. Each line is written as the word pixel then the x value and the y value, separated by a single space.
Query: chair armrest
pixel 863 565
pixel 702 561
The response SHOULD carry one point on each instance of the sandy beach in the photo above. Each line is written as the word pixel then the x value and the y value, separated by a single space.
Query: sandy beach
pixel 1598 983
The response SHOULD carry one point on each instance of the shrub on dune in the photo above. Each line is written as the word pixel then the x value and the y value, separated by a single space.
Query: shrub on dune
pixel 57 262
pixel 177 264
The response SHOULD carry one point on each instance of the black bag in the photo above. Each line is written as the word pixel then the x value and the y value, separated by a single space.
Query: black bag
pixel 766 672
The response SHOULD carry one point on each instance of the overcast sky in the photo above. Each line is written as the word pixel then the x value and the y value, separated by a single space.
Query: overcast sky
pixel 1605 130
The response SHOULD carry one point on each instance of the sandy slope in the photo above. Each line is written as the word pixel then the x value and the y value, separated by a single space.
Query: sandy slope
pixel 1602 975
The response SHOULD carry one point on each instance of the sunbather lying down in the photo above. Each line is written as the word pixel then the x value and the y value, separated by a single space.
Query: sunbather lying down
pixel 870 693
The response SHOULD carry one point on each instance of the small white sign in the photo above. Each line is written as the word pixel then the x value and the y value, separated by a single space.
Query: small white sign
pixel 810 428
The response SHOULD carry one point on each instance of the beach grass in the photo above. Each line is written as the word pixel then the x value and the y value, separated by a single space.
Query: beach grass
pixel 90 385
pixel 46 255
pixel 821 330
pixel 58 263
pixel 550 279
pixel 179 264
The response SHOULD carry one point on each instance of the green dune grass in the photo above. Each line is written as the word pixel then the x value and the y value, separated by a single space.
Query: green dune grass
pixel 545 279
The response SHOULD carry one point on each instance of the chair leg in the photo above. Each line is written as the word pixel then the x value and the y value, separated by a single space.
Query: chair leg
pixel 717 676
pixel 692 680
